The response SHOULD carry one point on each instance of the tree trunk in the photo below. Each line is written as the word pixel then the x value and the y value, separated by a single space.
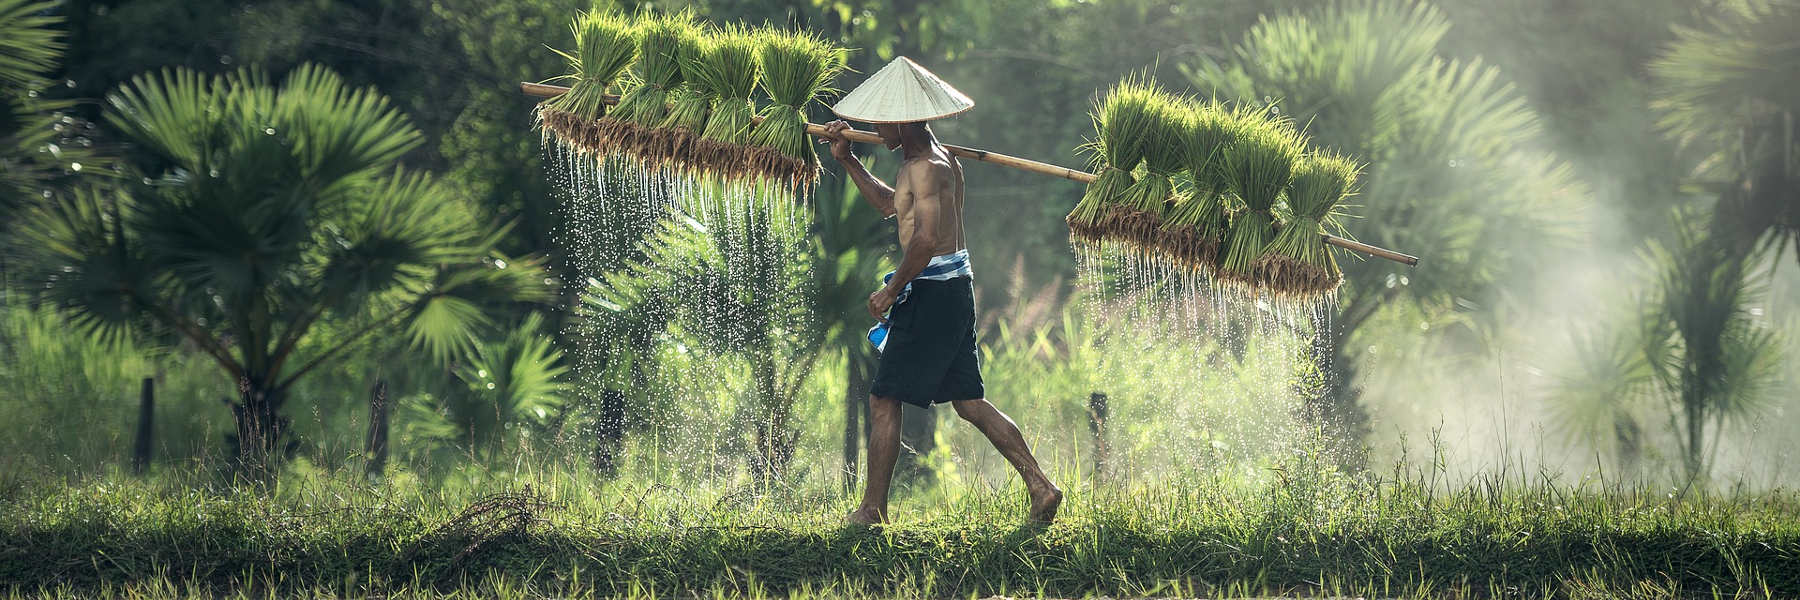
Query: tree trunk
pixel 1097 411
pixel 918 437
pixel 856 396
pixel 377 446
pixel 774 440
pixel 146 428
pixel 257 445
pixel 609 434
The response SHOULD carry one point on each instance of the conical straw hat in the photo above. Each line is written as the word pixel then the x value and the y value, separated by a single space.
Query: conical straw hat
pixel 902 92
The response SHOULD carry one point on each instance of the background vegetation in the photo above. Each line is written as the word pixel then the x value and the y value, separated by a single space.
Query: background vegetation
pixel 412 294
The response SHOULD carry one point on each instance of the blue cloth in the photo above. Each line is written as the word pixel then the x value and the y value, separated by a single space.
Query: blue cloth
pixel 942 267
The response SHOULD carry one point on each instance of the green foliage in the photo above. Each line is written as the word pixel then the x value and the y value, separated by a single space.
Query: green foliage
pixel 1453 168
pixel 729 68
pixel 690 102
pixel 661 39
pixel 1122 120
pixel 72 401
pixel 797 67
pixel 1287 533
pixel 1706 347
pixel 1725 91
pixel 269 210
pixel 1257 167
pixel 1164 148
pixel 736 288
pixel 605 45
pixel 41 144
pixel 510 386
pixel 29 48
pixel 1322 180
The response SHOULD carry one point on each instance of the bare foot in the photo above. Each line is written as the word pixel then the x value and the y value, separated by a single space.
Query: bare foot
pixel 866 516
pixel 1044 503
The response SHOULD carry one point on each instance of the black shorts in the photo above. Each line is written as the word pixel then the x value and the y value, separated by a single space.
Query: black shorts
pixel 930 355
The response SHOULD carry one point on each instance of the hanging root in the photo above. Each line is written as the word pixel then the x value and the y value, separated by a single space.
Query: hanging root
pixel 1187 248
pixel 771 164
pixel 1135 228
pixel 601 136
pixel 1292 279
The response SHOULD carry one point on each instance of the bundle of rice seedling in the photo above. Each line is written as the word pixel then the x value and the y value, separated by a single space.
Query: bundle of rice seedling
pixel 796 68
pixel 1137 217
pixel 689 102
pixel 727 69
pixel 642 109
pixel 1194 228
pixel 1122 120
pixel 1297 263
pixel 1257 168
pixel 605 45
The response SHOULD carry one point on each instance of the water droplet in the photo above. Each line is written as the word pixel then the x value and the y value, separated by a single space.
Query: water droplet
pixel 269 131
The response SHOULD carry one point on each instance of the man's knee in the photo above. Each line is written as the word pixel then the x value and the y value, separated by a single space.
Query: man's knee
pixel 883 406
pixel 972 410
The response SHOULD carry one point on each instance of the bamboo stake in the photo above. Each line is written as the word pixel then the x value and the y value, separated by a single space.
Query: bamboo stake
pixel 1024 164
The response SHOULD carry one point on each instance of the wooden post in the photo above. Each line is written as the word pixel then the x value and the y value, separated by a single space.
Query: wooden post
pixel 1023 164
pixel 1097 424
pixel 146 428
pixel 378 429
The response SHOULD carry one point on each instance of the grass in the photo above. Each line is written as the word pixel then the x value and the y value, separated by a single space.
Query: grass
pixel 1304 530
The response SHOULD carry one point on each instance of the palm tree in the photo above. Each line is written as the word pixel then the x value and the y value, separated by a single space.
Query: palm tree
pixel 1449 169
pixel 266 211
pixel 1713 355
pixel 1726 94
pixel 738 288
pixel 42 146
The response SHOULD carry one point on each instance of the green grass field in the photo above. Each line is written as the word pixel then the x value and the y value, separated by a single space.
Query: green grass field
pixel 549 534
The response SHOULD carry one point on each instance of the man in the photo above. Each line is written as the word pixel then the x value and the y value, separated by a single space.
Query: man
pixel 927 339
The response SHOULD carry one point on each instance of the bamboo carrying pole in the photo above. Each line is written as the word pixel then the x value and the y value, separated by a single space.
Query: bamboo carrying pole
pixel 1024 164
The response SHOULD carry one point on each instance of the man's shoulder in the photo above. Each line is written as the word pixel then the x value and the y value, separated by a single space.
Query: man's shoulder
pixel 927 166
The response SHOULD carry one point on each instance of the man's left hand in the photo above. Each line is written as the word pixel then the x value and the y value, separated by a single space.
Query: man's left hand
pixel 881 301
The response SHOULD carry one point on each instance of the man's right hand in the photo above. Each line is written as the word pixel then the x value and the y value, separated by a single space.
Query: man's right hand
pixel 840 145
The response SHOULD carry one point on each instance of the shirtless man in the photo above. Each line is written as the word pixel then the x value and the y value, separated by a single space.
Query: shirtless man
pixel 927 341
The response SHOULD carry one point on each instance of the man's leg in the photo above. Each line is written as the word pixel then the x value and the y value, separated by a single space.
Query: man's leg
pixel 884 449
pixel 1004 434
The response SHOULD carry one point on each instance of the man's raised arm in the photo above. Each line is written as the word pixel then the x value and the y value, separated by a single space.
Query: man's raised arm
pixel 879 194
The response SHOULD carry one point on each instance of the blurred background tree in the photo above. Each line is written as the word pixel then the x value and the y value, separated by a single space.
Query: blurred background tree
pixel 1659 107
pixel 264 211
pixel 1449 168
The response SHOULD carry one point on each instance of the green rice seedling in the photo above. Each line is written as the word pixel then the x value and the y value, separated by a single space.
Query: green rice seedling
pixel 1257 168
pixel 728 69
pixel 643 108
pixel 605 46
pixel 1296 262
pixel 689 102
pixel 1195 226
pixel 1122 120
pixel 1137 217
pixel 797 67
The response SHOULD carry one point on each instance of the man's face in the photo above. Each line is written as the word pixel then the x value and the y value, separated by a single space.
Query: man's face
pixel 890 134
